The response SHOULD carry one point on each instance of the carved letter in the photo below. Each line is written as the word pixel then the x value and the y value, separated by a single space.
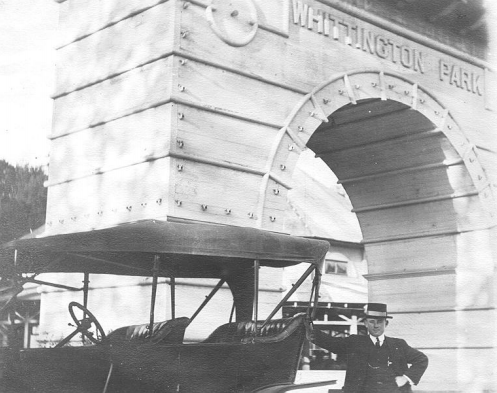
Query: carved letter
pixel 299 13
pixel 311 18
pixel 406 56
pixel 477 88
pixel 336 31
pixel 455 76
pixel 444 70
pixel 394 52
pixel 418 61
pixel 347 31
pixel 355 36
pixel 382 47
pixel 465 80
pixel 327 25
pixel 368 41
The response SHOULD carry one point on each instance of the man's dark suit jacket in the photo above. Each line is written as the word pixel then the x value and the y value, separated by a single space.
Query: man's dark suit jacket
pixel 357 350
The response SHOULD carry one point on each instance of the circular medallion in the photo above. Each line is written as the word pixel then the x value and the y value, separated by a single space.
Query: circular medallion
pixel 234 21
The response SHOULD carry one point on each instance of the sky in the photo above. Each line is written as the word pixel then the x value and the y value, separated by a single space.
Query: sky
pixel 28 32
pixel 27 76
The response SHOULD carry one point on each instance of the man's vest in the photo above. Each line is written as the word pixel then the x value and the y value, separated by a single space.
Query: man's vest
pixel 380 376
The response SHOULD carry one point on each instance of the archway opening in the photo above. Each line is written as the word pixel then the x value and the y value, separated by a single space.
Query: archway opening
pixel 403 176
pixel 399 170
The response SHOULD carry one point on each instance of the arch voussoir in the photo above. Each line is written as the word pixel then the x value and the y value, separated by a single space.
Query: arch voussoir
pixel 348 88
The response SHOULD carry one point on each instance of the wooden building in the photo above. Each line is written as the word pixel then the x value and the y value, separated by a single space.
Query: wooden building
pixel 198 110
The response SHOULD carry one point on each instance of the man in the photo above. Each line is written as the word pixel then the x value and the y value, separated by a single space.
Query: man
pixel 376 363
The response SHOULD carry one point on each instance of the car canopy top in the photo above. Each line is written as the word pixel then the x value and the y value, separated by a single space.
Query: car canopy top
pixel 184 250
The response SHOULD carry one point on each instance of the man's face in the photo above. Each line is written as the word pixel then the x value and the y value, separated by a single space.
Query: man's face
pixel 376 326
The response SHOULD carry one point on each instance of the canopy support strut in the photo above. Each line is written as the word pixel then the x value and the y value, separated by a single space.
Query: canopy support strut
pixel 155 271
pixel 86 281
pixel 51 284
pixel 290 293
pixel 256 291
pixel 173 297
pixel 316 285
pixel 232 311
pixel 208 298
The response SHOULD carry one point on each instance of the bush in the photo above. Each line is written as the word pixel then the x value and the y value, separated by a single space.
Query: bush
pixel 23 200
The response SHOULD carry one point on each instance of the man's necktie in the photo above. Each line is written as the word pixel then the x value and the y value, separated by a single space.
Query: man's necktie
pixel 377 342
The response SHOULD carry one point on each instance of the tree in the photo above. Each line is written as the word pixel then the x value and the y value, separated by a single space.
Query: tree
pixel 23 200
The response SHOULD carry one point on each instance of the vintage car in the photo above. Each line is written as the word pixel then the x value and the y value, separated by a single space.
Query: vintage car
pixel 244 354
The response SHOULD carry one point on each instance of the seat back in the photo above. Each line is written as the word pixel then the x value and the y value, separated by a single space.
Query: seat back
pixel 166 332
pixel 241 332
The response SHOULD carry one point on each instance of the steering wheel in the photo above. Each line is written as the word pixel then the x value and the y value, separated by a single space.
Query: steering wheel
pixel 83 326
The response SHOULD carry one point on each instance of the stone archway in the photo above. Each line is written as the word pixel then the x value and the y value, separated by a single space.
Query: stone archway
pixel 425 207
pixel 190 128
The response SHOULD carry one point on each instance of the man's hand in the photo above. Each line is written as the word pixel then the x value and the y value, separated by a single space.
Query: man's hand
pixel 310 332
pixel 401 381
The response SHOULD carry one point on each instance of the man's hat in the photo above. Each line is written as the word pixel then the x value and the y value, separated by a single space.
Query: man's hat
pixel 376 310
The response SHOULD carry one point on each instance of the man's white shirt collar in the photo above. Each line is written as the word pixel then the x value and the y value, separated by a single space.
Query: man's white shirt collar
pixel 373 339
